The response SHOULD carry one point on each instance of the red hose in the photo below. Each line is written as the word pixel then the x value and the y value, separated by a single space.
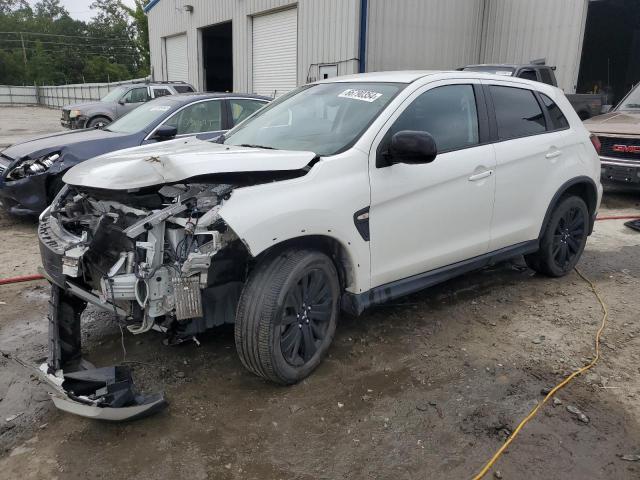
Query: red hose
pixel 618 218
pixel 24 278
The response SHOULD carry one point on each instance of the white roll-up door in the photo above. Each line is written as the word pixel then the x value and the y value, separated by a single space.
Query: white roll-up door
pixel 176 58
pixel 275 52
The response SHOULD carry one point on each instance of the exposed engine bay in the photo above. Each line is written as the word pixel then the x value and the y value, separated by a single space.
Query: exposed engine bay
pixel 160 258
pixel 150 259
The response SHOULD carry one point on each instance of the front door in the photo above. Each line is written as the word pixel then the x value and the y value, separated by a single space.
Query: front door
pixel 426 216
pixel 132 99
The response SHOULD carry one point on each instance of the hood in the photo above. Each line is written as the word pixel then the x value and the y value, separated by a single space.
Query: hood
pixel 622 123
pixel 83 106
pixel 66 140
pixel 179 160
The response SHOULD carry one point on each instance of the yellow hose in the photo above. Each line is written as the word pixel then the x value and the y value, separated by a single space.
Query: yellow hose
pixel 562 384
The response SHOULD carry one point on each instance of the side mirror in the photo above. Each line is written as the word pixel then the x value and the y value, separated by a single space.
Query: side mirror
pixel 165 132
pixel 121 102
pixel 409 146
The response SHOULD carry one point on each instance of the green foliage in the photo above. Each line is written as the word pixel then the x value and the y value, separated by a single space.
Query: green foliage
pixel 42 44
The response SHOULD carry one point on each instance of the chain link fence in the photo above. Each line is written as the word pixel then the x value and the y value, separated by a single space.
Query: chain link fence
pixel 55 96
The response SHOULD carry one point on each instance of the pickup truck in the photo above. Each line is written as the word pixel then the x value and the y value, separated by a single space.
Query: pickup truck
pixel 586 105
pixel 618 133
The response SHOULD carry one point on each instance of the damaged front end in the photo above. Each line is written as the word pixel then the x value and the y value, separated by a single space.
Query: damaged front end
pixel 158 258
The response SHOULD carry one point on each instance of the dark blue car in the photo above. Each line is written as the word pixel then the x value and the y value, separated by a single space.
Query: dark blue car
pixel 31 172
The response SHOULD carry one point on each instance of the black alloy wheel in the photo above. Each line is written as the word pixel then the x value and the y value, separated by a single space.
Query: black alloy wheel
pixel 306 316
pixel 563 239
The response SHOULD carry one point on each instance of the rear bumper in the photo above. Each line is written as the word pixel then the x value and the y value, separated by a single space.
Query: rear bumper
pixel 620 171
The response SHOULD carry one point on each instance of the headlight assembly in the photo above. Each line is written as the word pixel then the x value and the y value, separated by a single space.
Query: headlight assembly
pixel 29 167
pixel 74 113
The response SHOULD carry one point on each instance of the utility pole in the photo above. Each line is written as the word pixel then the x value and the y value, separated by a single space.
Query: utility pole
pixel 24 52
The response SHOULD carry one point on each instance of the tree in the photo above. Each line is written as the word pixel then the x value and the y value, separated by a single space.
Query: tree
pixel 141 24
pixel 113 45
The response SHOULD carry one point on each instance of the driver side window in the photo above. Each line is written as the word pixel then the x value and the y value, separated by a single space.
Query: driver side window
pixel 136 95
pixel 198 118
pixel 448 113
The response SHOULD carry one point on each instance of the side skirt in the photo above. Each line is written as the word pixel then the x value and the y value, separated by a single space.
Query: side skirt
pixel 355 304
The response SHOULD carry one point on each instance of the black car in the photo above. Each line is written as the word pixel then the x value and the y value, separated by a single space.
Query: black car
pixel 31 172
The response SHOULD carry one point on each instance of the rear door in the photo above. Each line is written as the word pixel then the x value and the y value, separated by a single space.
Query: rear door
pixel 242 108
pixel 534 152
pixel 426 216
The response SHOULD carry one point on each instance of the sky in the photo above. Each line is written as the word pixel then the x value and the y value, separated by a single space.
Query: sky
pixel 79 9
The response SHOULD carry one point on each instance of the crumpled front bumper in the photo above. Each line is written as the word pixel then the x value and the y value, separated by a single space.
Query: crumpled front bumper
pixel 101 393
pixel 27 196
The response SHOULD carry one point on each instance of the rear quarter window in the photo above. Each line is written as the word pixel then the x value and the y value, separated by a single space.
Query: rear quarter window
pixel 518 113
pixel 183 88
pixel 558 120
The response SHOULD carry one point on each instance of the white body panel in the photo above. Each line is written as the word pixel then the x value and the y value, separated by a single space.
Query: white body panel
pixel 177 160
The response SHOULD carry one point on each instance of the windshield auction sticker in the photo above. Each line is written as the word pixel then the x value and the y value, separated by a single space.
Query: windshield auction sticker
pixel 364 95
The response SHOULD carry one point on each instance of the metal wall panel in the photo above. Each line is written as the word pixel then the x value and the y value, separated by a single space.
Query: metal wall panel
pixel 327 34
pixel 423 34
pixel 517 31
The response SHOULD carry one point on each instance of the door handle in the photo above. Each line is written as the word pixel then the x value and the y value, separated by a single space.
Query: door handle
pixel 555 154
pixel 480 176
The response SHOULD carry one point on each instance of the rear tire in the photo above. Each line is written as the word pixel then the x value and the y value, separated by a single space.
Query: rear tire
pixel 563 240
pixel 287 315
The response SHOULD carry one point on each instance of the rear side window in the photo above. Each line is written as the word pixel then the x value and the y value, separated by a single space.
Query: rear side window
pixel 529 75
pixel 558 120
pixel 518 113
pixel 448 113
pixel 183 88
pixel 545 76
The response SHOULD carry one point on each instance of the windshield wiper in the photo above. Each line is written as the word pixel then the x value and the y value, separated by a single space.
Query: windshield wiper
pixel 249 145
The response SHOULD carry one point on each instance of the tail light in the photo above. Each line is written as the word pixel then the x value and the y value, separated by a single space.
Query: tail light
pixel 596 143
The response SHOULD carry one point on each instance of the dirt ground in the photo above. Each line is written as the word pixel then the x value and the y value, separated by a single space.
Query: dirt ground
pixel 427 387
pixel 20 123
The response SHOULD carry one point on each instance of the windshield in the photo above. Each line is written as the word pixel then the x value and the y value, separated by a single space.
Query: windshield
pixel 141 117
pixel 325 119
pixel 631 101
pixel 114 95
pixel 496 70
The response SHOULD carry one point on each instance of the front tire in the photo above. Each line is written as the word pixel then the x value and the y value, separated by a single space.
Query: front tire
pixel 287 315
pixel 98 122
pixel 563 240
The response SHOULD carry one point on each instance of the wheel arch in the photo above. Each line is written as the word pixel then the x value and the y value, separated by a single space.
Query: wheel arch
pixel 583 187
pixel 95 115
pixel 326 244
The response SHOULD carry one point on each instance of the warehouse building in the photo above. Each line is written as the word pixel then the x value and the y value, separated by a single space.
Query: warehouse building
pixel 271 46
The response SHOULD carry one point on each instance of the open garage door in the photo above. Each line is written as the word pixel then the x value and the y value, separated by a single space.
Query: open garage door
pixel 275 52
pixel 611 52
pixel 176 63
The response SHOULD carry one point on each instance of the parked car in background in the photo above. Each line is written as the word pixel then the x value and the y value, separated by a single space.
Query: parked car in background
pixel 585 105
pixel 619 135
pixel 31 172
pixel 343 194
pixel 118 102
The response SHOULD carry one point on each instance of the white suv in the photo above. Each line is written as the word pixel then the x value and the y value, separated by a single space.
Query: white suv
pixel 340 195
